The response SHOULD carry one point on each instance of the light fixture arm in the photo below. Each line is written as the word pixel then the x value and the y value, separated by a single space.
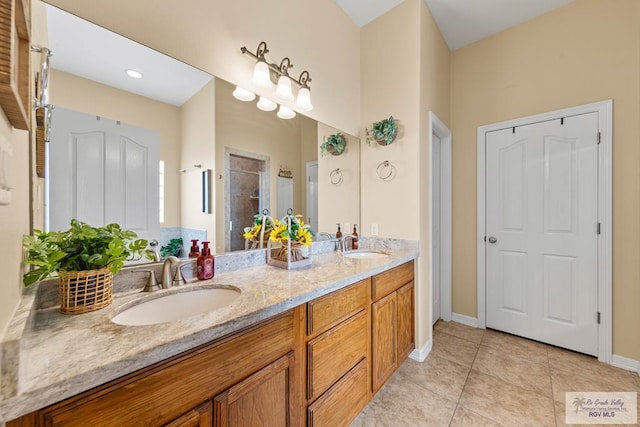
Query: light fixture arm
pixel 285 64
pixel 278 70
pixel 304 79
pixel 261 51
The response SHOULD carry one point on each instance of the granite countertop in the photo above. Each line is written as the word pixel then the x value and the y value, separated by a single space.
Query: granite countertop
pixel 48 356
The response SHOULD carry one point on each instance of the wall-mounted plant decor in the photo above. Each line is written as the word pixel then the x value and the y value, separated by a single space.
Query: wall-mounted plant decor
pixel 383 132
pixel 334 144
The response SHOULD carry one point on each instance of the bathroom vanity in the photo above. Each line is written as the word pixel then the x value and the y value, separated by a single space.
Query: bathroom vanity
pixel 310 350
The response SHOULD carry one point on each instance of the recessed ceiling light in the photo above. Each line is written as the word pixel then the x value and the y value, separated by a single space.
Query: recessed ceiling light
pixel 134 74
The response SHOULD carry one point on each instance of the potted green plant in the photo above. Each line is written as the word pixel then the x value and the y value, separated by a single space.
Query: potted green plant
pixel 334 144
pixel 383 132
pixel 173 248
pixel 84 258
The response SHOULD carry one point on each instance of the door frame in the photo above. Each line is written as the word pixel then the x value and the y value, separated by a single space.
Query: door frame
pixel 605 125
pixel 437 127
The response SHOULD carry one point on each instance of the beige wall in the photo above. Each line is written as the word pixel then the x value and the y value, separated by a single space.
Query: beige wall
pixel 209 33
pixel 242 126
pixel 15 217
pixel 14 220
pixel 405 73
pixel 587 51
pixel 337 203
pixel 86 96
pixel 198 147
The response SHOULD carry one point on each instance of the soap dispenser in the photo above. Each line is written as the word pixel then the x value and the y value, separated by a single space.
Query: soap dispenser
pixel 338 233
pixel 354 241
pixel 205 263
pixel 195 250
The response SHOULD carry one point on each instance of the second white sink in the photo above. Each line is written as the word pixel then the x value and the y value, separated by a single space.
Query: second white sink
pixel 364 254
pixel 177 306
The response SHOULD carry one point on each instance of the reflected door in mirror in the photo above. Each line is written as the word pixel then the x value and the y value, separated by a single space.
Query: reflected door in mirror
pixel 103 172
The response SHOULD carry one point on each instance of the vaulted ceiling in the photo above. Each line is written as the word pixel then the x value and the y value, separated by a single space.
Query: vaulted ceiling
pixel 461 22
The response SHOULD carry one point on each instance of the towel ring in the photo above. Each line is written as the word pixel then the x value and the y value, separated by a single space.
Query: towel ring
pixel 336 176
pixel 386 171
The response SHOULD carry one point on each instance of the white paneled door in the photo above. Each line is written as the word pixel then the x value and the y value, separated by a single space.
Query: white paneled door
pixel 102 171
pixel 542 231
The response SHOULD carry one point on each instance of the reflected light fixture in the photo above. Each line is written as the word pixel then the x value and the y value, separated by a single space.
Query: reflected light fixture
pixel 134 74
pixel 265 104
pixel 286 113
pixel 265 74
pixel 243 94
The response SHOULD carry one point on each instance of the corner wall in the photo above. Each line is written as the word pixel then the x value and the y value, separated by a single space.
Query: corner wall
pixel 584 52
pixel 405 73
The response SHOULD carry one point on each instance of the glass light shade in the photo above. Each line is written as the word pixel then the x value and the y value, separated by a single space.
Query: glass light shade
pixel 303 103
pixel 283 91
pixel 261 77
pixel 286 113
pixel 243 94
pixel 265 104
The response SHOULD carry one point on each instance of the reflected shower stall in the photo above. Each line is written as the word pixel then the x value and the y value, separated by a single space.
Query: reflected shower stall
pixel 245 186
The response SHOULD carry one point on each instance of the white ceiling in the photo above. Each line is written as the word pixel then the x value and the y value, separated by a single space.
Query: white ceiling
pixel 87 50
pixel 461 22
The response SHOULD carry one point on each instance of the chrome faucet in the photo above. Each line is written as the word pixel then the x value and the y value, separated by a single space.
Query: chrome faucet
pixel 343 242
pixel 328 236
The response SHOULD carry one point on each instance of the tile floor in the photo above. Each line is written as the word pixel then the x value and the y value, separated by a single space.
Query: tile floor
pixel 476 377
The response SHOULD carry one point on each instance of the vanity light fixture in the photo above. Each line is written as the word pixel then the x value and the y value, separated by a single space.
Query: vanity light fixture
pixel 286 113
pixel 265 74
pixel 134 74
pixel 303 102
pixel 265 104
pixel 243 94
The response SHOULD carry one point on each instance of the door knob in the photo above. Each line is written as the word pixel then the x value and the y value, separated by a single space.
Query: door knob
pixel 492 239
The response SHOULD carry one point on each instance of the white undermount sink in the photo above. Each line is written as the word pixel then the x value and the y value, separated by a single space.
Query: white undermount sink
pixel 364 254
pixel 177 306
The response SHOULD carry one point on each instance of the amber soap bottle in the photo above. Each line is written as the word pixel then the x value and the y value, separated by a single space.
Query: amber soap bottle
pixel 205 263
pixel 354 244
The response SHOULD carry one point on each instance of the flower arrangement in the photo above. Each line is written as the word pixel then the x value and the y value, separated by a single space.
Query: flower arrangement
pixel 298 232
pixel 262 226
pixel 293 235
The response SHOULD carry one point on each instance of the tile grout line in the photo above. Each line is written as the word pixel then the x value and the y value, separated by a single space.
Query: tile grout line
pixel 453 414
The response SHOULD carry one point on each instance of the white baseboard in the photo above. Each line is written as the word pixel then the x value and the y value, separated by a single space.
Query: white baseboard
pixel 419 354
pixel 625 363
pixel 465 320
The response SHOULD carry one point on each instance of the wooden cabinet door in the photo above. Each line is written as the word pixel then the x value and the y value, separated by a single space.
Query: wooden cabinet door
pixel 383 333
pixel 201 416
pixel 263 399
pixel 406 341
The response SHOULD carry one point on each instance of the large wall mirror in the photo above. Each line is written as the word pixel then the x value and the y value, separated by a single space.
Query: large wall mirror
pixel 170 153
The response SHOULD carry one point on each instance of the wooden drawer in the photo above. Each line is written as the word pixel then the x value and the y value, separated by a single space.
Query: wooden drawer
pixel 335 352
pixel 342 402
pixel 385 283
pixel 329 310
pixel 160 393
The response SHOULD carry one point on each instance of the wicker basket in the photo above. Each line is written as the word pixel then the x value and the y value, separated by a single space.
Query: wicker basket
pixel 84 291
pixel 382 141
